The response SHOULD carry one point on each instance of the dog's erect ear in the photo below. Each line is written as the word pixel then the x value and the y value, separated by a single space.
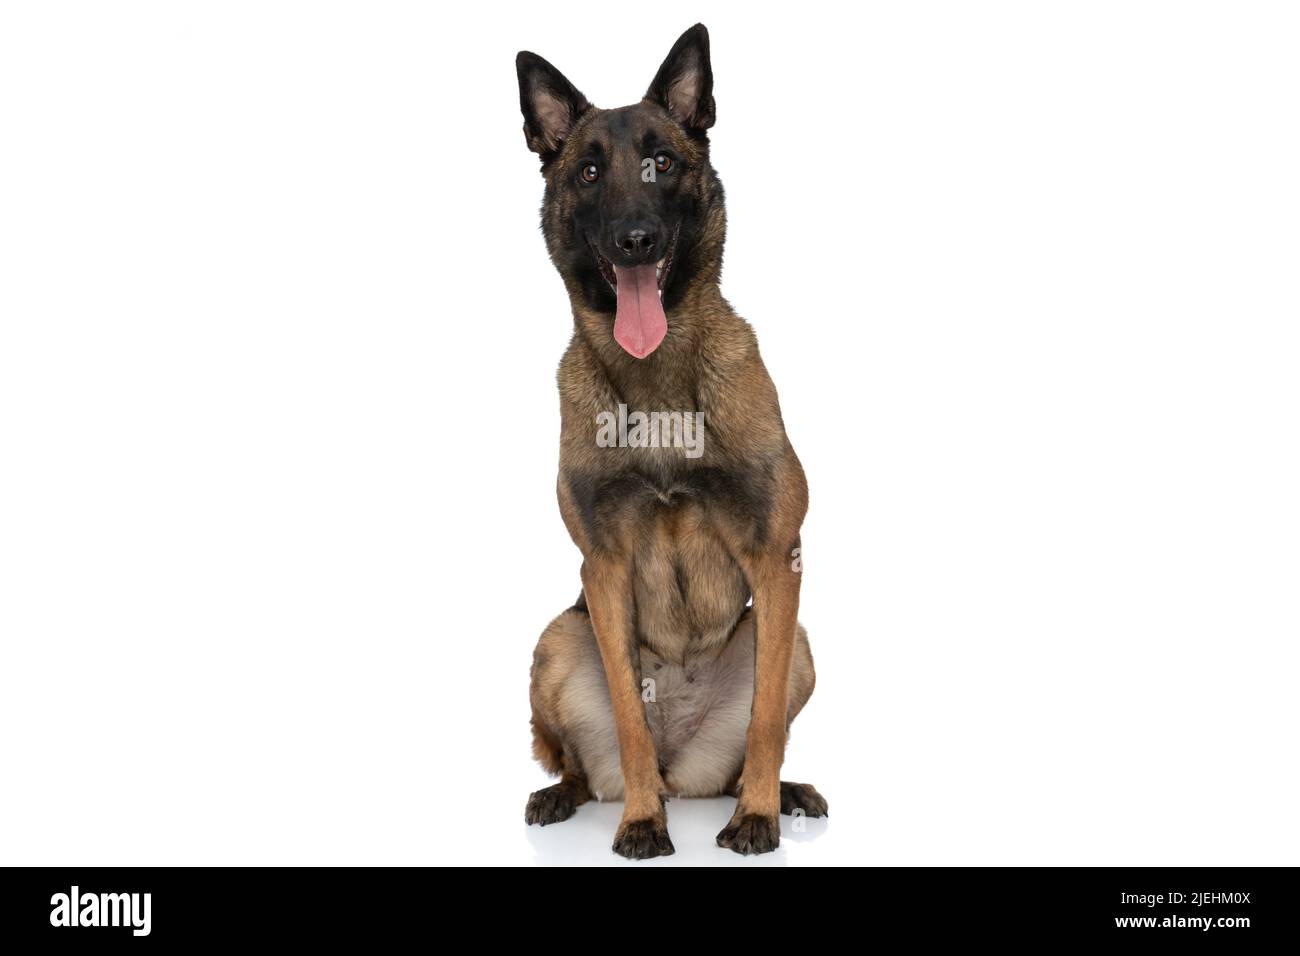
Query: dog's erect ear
pixel 551 104
pixel 684 84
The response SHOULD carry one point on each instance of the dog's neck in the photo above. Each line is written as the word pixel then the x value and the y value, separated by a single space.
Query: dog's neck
pixel 700 326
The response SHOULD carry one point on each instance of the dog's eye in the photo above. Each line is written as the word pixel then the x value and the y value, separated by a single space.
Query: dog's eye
pixel 663 162
pixel 590 173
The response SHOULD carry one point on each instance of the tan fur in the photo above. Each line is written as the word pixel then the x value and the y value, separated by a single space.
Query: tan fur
pixel 673 546
pixel 709 361
pixel 698 718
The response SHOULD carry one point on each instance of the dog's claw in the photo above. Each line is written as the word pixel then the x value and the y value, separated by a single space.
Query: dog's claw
pixel 750 833
pixel 643 839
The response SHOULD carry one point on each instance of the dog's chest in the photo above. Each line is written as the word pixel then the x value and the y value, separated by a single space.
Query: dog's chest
pixel 688 591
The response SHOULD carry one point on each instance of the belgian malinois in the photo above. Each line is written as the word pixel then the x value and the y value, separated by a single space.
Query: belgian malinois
pixel 662 680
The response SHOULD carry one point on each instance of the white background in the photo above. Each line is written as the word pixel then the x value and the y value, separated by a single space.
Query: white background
pixel 278 339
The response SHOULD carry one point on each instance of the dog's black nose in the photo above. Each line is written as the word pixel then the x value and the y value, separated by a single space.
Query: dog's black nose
pixel 636 242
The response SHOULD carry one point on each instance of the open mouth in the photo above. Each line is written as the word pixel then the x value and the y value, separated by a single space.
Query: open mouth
pixel 639 320
pixel 662 267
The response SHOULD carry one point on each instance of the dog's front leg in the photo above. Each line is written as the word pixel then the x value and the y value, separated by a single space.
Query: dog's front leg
pixel 643 832
pixel 754 828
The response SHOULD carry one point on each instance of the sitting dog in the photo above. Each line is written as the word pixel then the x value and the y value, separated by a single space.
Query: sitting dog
pixel 662 680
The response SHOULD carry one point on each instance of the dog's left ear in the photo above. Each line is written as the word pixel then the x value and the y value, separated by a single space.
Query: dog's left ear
pixel 684 84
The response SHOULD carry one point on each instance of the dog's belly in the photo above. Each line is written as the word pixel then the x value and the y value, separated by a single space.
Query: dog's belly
pixel 699 712
pixel 689 591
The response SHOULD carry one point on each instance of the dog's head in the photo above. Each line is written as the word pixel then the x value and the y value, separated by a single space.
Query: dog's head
pixel 633 210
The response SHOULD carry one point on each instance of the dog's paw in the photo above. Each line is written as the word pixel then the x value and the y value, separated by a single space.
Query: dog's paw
pixel 803 796
pixel 750 833
pixel 551 805
pixel 643 839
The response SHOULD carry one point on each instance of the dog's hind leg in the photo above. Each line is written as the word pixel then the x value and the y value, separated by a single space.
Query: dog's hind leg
pixel 801 796
pixel 559 801
pixel 573 722
pixel 794 796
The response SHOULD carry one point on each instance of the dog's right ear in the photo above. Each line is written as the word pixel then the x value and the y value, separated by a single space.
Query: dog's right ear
pixel 550 103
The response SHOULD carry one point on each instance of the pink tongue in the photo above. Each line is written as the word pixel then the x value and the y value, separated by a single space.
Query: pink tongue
pixel 640 324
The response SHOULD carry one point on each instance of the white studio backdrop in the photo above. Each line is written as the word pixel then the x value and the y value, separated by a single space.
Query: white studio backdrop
pixel 278 424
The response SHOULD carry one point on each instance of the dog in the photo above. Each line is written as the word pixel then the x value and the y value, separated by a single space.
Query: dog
pixel 663 679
